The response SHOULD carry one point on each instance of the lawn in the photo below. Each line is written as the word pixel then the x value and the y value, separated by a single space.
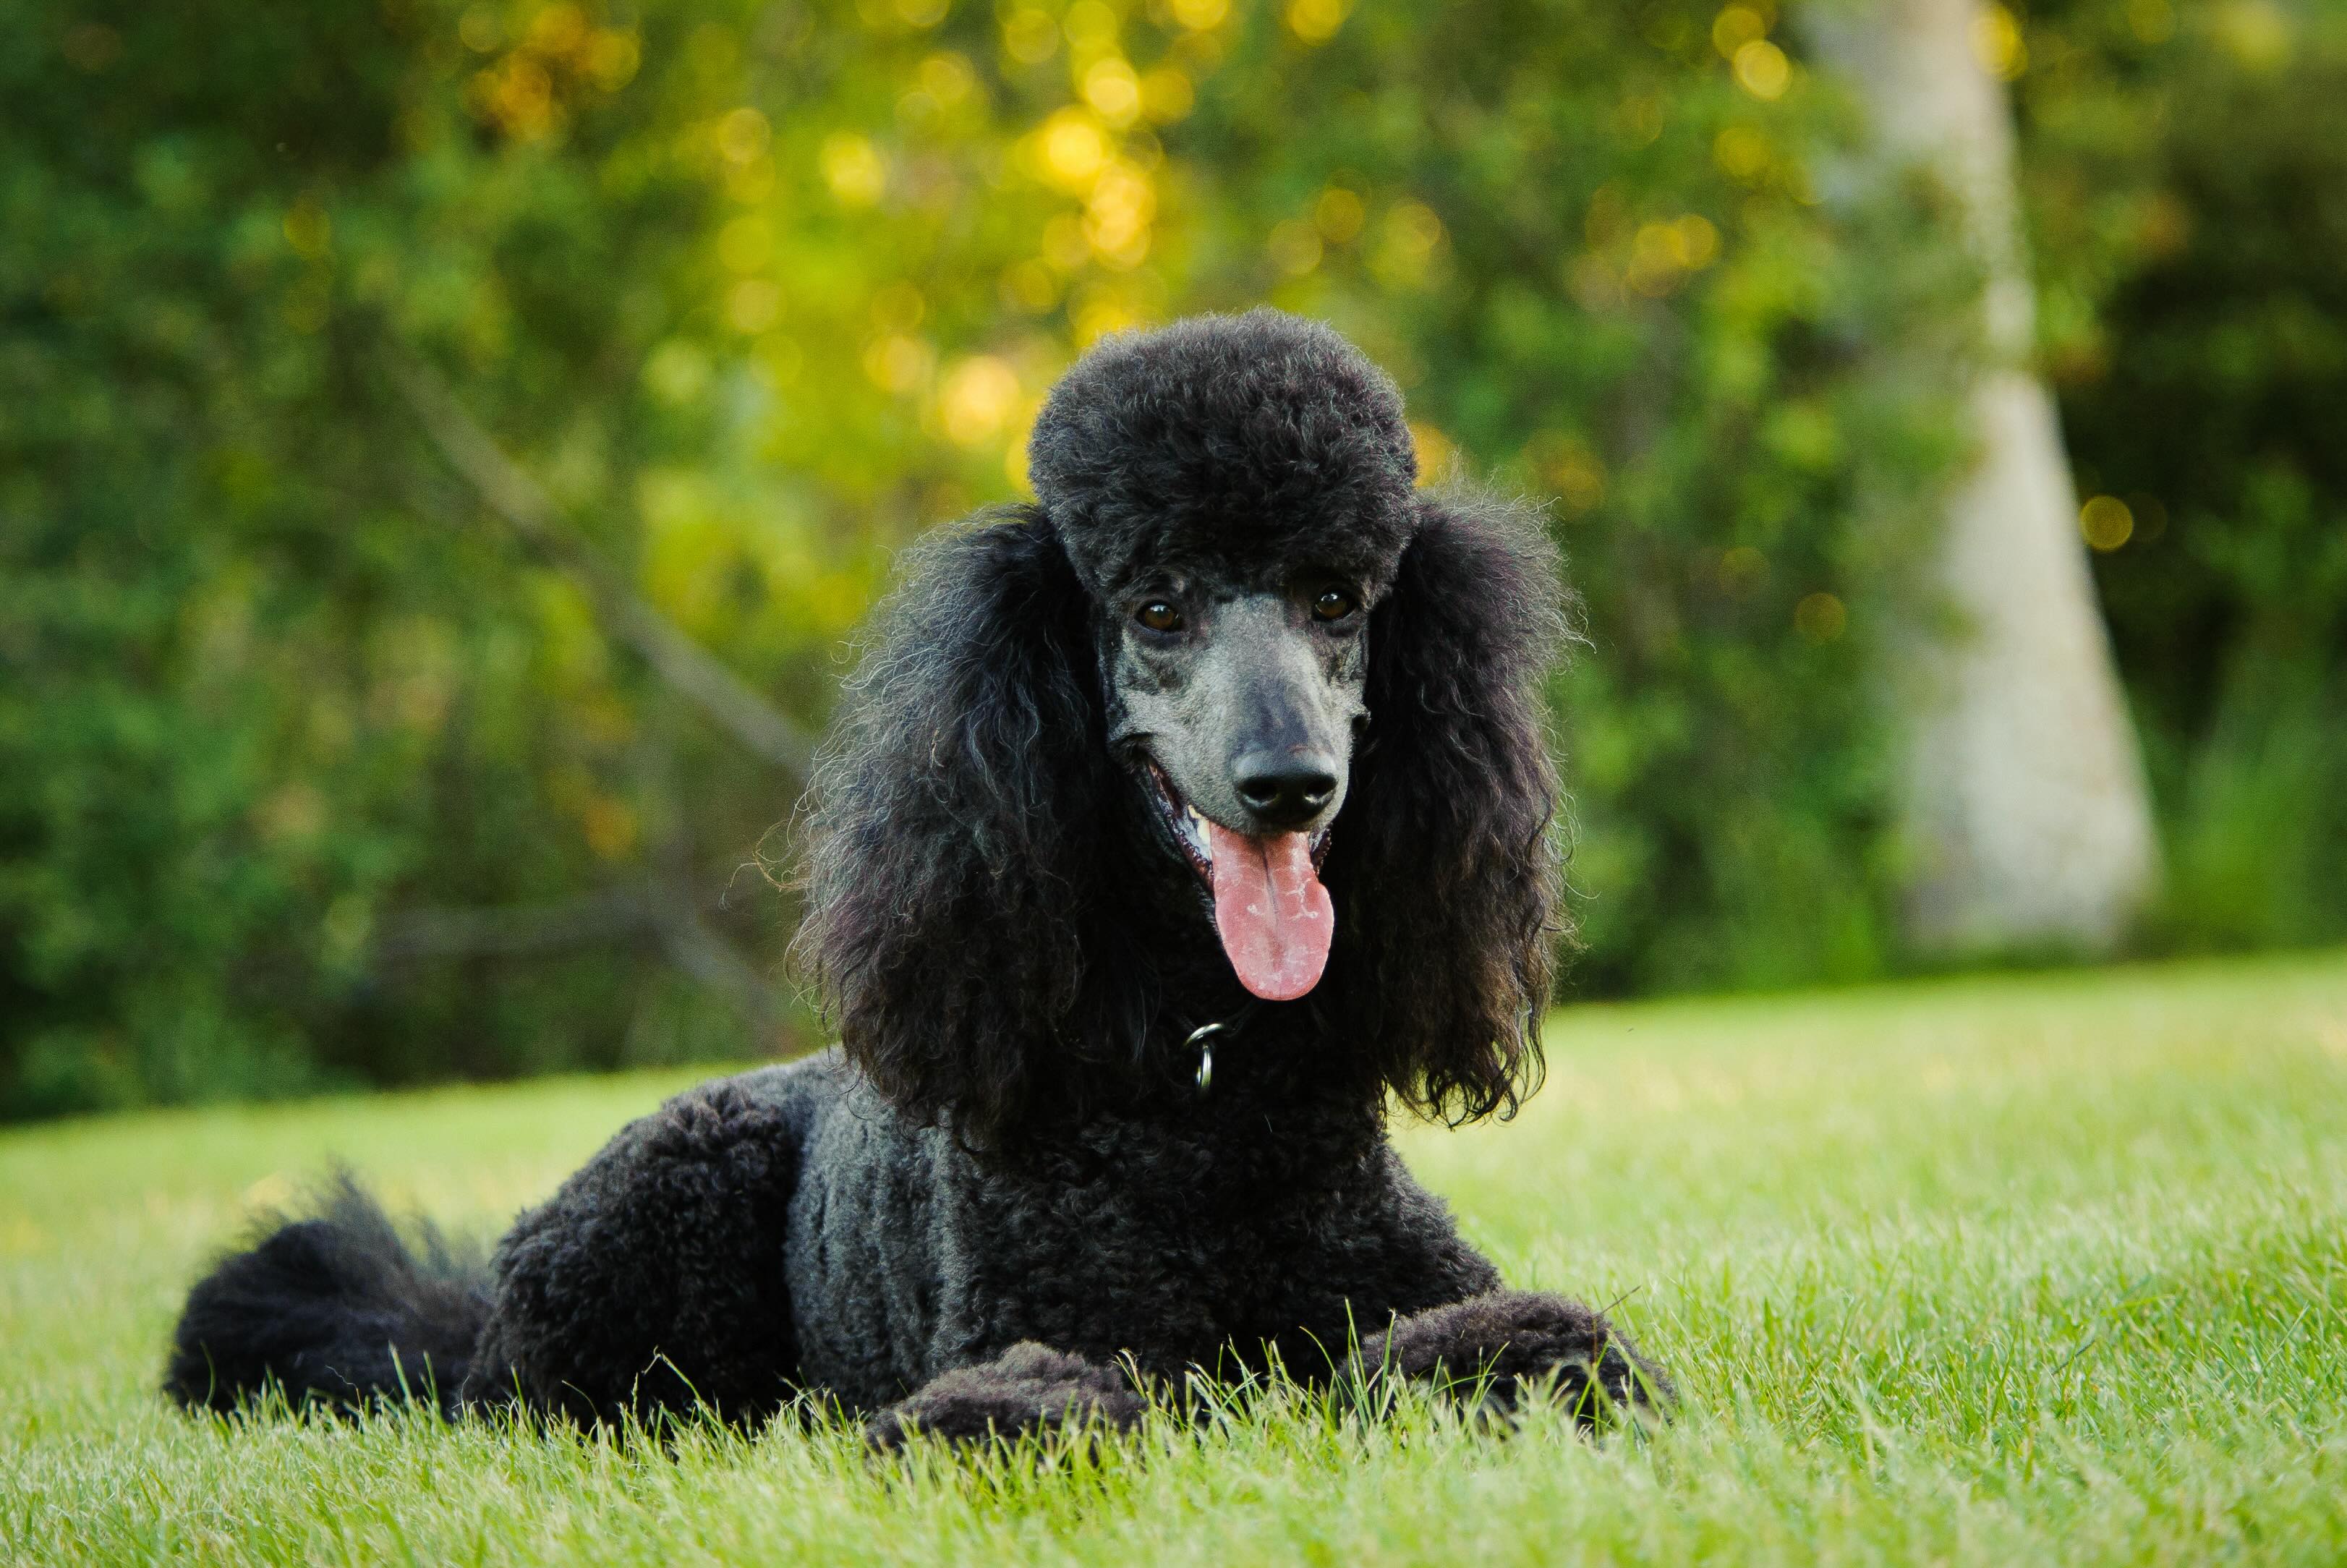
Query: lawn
pixel 2019 1269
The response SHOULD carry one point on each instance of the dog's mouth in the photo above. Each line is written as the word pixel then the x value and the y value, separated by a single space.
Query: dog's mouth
pixel 1274 918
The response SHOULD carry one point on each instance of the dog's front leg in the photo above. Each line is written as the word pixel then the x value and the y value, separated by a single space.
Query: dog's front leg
pixel 1494 1349
pixel 1028 1388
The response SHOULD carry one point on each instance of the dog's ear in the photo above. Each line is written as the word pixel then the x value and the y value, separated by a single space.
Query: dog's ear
pixel 1446 863
pixel 946 867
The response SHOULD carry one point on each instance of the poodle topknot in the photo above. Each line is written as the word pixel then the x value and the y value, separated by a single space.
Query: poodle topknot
pixel 1229 442
pixel 1232 743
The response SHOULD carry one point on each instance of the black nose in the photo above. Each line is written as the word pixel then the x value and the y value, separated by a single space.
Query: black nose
pixel 1282 789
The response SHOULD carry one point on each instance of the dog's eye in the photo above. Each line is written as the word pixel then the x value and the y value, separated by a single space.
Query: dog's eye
pixel 1159 616
pixel 1334 604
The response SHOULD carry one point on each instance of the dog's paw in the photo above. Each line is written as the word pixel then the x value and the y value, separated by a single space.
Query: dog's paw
pixel 1029 1388
pixel 1494 1350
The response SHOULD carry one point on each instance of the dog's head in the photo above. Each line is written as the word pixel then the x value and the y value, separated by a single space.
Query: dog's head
pixel 1236 493
pixel 1234 687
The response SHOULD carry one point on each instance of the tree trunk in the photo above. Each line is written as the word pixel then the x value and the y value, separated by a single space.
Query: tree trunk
pixel 2026 798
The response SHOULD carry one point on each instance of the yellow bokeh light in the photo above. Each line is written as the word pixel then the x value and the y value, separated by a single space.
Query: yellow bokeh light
pixel 1762 70
pixel 1316 21
pixel 1030 286
pixel 560 29
pixel 922 13
pixel 1654 266
pixel 2257 33
pixel 309 231
pixel 853 169
pixel 946 78
pixel 1200 14
pixel 1097 313
pixel 1997 43
pixel 1030 35
pixel 1662 252
pixel 1338 215
pixel 1735 26
pixel 1641 117
pixel 1413 229
pixel 1695 242
pixel 1111 87
pixel 1819 617
pixel 900 363
pixel 612 59
pixel 1073 148
pixel 1090 26
pixel 1166 95
pixel 976 399
pixel 1117 214
pixel 2107 522
pixel 517 95
pixel 479 29
pixel 1740 152
pixel 1408 238
pixel 742 134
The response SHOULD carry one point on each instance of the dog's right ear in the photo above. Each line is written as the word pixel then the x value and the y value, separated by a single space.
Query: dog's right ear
pixel 950 899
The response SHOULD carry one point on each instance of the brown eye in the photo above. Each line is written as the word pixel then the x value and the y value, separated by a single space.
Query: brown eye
pixel 1159 616
pixel 1334 604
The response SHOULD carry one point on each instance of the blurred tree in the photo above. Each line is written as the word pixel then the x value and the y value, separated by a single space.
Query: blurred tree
pixel 376 724
pixel 444 443
pixel 281 720
pixel 2024 790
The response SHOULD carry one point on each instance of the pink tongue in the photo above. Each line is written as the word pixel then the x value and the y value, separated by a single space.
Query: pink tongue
pixel 1275 917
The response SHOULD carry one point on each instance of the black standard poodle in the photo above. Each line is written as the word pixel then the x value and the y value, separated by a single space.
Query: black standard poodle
pixel 1175 823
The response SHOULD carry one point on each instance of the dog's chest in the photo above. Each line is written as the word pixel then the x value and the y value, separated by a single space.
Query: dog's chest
pixel 1164 1243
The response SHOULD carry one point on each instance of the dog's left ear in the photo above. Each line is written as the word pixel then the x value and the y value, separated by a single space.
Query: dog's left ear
pixel 1445 863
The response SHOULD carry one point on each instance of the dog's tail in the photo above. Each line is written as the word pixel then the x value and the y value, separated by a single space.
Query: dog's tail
pixel 337 1309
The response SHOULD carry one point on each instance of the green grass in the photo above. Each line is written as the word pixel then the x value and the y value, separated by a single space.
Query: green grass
pixel 1991 1270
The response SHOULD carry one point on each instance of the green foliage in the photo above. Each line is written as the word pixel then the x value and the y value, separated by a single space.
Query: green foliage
pixel 759 292
pixel 2189 176
pixel 1995 1272
pixel 312 771
pixel 270 677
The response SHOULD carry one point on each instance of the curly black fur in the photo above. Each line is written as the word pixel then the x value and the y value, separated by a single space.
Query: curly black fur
pixel 1027 1384
pixel 1004 1186
pixel 969 838
pixel 971 861
pixel 1496 1348
pixel 336 1310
